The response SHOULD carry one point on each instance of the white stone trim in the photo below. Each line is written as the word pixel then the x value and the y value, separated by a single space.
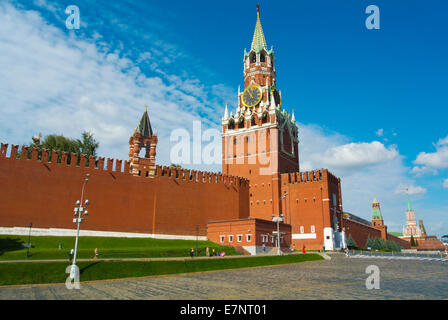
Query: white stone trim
pixel 304 236
pixel 91 233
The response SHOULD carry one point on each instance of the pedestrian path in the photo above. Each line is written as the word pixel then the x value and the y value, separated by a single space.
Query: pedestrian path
pixel 359 256
pixel 141 259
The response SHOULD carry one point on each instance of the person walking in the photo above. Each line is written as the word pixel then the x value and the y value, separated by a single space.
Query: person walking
pixel 191 253
pixel 213 252
pixel 96 253
pixel 207 252
pixel 303 249
pixel 71 254
pixel 263 247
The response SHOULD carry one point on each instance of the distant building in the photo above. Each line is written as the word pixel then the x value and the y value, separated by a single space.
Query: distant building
pixel 412 231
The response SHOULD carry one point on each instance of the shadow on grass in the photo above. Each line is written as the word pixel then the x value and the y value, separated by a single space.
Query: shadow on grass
pixel 10 244
pixel 88 266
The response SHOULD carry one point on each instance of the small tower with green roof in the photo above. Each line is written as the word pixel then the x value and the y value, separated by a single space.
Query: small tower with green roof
pixel 377 218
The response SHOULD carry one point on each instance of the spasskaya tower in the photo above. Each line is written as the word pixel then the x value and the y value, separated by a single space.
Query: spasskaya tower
pixel 260 140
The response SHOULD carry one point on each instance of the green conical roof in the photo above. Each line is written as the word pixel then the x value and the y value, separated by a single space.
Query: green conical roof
pixel 376 212
pixel 408 200
pixel 258 42
pixel 144 127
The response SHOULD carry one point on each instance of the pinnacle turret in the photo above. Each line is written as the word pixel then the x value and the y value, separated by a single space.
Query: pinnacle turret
pixel 144 126
pixel 258 41
pixel 226 113
pixel 408 201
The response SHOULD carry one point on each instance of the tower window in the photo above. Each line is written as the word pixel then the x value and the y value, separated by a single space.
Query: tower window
pixel 231 124
pixel 264 118
pixel 253 58
pixel 262 58
pixel 234 140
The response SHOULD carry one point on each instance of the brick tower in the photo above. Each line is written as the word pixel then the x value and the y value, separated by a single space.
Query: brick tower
pixel 377 219
pixel 260 141
pixel 143 137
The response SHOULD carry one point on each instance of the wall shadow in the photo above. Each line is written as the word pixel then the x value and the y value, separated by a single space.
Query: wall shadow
pixel 10 244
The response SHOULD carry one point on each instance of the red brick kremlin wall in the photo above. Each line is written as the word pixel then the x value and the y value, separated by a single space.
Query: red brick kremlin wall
pixel 361 232
pixel 172 202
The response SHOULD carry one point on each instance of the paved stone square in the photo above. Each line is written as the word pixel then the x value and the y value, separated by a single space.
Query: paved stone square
pixel 338 278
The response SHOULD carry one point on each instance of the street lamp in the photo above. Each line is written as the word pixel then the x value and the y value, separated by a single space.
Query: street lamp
pixel 277 219
pixel 79 215
pixel 29 243
pixel 197 234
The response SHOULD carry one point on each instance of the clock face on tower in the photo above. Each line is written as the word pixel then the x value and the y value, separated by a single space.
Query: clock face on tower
pixel 252 96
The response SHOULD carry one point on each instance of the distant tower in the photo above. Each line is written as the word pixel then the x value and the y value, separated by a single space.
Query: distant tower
pixel 411 228
pixel 143 137
pixel 422 227
pixel 377 219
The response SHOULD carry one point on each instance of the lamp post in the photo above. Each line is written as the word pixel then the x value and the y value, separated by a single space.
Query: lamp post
pixel 79 215
pixel 197 234
pixel 29 243
pixel 277 219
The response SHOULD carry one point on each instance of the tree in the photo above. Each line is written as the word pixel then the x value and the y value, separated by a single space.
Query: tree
pixel 86 145
pixel 413 244
pixel 173 165
pixel 351 243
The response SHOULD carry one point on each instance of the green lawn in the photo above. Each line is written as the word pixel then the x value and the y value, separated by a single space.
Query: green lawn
pixel 54 272
pixel 46 247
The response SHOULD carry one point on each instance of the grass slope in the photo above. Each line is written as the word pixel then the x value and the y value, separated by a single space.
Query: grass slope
pixel 54 272
pixel 46 247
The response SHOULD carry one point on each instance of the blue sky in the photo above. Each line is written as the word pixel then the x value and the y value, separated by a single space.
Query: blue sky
pixel 371 104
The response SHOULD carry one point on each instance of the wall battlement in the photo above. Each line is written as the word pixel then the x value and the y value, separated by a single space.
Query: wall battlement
pixel 115 165
pixel 42 186
pixel 309 176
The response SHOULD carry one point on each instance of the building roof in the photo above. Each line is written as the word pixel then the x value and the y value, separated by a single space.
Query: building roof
pixel 258 41
pixel 144 126
pixel 352 217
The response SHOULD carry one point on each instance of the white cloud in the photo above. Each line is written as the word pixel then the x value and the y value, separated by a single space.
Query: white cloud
pixel 379 132
pixel 356 155
pixel 445 183
pixel 442 141
pixel 401 189
pixel 438 159
pixel 424 171
pixel 51 82
pixel 366 169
